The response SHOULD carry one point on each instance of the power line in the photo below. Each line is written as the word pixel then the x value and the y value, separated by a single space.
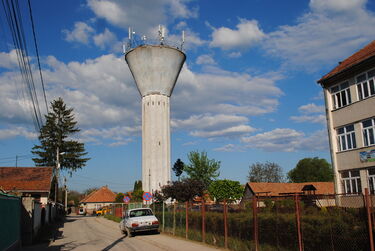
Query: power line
pixel 37 54
pixel 14 18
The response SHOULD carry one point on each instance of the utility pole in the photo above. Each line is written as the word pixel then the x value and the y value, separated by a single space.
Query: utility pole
pixel 57 172
pixel 66 196
pixel 16 160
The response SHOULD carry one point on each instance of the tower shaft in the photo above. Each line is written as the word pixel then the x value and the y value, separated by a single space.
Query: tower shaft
pixel 156 169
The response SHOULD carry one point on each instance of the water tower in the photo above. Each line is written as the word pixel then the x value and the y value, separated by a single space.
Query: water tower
pixel 155 67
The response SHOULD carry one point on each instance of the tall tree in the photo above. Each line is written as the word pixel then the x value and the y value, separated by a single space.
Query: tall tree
pixel 310 170
pixel 265 172
pixel 56 142
pixel 137 185
pixel 228 190
pixel 184 190
pixel 178 168
pixel 202 168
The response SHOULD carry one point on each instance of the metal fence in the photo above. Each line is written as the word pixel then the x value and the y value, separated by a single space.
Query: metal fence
pixel 291 222
pixel 10 221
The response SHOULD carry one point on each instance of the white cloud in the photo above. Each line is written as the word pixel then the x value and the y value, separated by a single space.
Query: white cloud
pixel 205 59
pixel 311 108
pixel 320 119
pixel 8 60
pixel 287 140
pixel 6 133
pixel 337 5
pixel 105 39
pixel 331 31
pixel 229 148
pixel 246 35
pixel 214 103
pixel 235 54
pixel 142 15
pixel 81 33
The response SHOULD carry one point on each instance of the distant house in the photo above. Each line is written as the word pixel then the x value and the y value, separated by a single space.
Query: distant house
pixel 27 181
pixel 98 199
pixel 273 190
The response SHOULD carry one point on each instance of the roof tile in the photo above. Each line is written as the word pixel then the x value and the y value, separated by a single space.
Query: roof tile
pixel 104 194
pixel 277 189
pixel 26 178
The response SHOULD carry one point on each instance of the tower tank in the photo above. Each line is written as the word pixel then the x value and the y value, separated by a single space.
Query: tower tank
pixel 155 69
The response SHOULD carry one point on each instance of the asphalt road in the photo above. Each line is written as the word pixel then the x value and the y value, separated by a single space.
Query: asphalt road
pixel 97 233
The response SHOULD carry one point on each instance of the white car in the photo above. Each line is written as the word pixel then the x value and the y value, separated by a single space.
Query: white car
pixel 139 220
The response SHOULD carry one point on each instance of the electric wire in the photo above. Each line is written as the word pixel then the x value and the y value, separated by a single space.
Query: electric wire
pixel 37 54
pixel 14 19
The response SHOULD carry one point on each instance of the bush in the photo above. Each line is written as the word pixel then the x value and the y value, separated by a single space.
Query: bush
pixel 113 218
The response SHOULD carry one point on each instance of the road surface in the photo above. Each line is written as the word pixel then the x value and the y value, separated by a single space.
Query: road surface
pixel 97 233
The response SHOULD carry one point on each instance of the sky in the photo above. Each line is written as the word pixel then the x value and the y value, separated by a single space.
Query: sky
pixel 247 92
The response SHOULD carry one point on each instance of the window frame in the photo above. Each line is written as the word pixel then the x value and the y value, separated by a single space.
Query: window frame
pixel 371 180
pixel 366 82
pixel 350 181
pixel 339 95
pixel 346 135
pixel 366 132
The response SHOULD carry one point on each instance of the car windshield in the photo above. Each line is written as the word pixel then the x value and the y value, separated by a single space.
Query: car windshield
pixel 141 212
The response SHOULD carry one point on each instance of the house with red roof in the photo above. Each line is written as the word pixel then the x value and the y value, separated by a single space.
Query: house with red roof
pixel 349 92
pixel 27 181
pixel 265 190
pixel 98 199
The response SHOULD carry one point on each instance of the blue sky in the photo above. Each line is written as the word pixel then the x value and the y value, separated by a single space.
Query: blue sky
pixel 247 92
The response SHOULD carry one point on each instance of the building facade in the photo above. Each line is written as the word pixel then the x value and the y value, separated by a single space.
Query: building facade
pixel 349 91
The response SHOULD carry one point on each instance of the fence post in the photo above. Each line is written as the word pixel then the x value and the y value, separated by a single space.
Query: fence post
pixel 255 222
pixel 174 218
pixel 203 221
pixel 163 216
pixel 367 202
pixel 300 244
pixel 225 225
pixel 186 219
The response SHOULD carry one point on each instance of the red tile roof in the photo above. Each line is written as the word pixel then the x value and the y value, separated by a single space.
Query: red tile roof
pixel 277 189
pixel 361 55
pixel 104 194
pixel 26 178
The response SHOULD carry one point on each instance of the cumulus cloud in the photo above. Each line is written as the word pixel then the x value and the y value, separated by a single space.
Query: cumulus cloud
pixel 6 133
pixel 143 15
pixel 287 140
pixel 81 33
pixel 229 148
pixel 211 104
pixel 8 60
pixel 311 113
pixel 105 39
pixel 329 32
pixel 205 59
pixel 246 35
pixel 311 108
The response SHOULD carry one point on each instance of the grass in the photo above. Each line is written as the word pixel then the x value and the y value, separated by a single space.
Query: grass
pixel 113 218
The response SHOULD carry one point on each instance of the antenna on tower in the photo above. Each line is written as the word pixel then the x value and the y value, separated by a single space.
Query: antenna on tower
pixel 183 39
pixel 161 34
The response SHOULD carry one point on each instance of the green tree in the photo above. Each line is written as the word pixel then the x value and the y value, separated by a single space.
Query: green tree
pixel 178 168
pixel 265 172
pixel 228 190
pixel 137 196
pixel 120 198
pixel 137 185
pixel 202 168
pixel 311 170
pixel 55 139
pixel 184 190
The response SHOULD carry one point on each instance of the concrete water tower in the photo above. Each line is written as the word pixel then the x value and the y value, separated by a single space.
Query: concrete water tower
pixel 155 67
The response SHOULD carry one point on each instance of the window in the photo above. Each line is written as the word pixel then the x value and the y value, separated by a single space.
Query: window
pixel 369 132
pixel 346 138
pixel 351 181
pixel 341 95
pixel 366 85
pixel 371 179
